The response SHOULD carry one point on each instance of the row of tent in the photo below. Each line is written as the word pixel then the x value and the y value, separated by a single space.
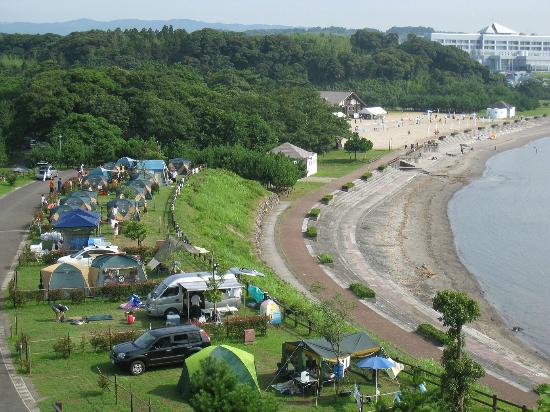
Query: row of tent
pixel 104 270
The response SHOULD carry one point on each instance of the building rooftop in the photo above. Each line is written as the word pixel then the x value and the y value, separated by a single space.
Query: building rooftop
pixel 294 152
pixel 335 98
pixel 496 28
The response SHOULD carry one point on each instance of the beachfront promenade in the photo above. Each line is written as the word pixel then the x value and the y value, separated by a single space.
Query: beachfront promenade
pixel 395 313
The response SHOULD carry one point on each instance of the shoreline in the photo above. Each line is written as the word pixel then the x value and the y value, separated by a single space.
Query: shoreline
pixel 409 239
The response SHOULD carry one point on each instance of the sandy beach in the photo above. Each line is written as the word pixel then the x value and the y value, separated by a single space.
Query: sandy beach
pixel 408 239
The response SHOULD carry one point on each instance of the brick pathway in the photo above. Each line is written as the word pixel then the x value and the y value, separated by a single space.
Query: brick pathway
pixel 300 261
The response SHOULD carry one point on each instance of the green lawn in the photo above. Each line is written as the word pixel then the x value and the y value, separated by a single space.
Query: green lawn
pixel 301 188
pixel 338 163
pixel 21 180
pixel 544 108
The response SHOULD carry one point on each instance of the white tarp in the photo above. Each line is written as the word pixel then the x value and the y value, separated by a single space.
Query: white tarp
pixel 393 372
pixel 339 114
pixel 197 282
pixel 374 111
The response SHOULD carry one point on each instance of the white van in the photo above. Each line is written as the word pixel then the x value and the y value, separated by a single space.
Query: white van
pixel 173 295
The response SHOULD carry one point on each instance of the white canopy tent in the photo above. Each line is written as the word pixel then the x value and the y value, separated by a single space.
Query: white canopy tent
pixel 374 111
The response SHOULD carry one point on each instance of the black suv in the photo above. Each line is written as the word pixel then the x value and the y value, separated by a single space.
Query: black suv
pixel 159 347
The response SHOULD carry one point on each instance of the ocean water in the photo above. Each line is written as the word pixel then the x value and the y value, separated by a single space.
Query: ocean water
pixel 501 225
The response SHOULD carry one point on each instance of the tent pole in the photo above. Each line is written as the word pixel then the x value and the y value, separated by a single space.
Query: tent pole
pixel 376 385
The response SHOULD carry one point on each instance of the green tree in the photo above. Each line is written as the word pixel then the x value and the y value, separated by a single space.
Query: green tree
pixel 461 372
pixel 215 388
pixel 135 230
pixel 357 144
pixel 213 292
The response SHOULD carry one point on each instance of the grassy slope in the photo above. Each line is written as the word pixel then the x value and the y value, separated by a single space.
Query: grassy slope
pixel 544 108
pixel 21 180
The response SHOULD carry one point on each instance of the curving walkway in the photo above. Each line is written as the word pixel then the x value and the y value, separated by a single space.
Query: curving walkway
pixel 298 259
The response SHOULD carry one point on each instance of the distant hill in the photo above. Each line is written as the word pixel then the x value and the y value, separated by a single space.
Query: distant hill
pixel 419 31
pixel 67 27
pixel 339 31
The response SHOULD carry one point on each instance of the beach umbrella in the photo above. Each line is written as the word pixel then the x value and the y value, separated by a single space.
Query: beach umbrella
pixel 375 363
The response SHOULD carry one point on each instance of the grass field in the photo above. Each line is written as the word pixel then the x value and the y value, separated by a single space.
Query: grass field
pixel 544 108
pixel 338 163
pixel 21 180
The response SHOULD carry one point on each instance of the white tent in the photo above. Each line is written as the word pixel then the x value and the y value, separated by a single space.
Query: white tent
pixel 374 111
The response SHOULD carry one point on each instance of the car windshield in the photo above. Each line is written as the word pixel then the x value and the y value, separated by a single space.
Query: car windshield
pixel 145 340
pixel 43 169
pixel 159 289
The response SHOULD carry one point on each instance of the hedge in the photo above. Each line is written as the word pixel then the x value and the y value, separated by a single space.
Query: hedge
pixel 366 176
pixel 234 326
pixel 348 186
pixel 430 332
pixel 311 232
pixel 314 213
pixel 362 291
pixel 103 340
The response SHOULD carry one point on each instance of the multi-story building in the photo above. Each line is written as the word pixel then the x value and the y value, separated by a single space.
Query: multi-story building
pixel 501 48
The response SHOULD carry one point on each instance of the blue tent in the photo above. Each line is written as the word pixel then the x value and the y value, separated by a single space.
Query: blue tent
pixel 156 166
pixel 77 218
pixel 98 171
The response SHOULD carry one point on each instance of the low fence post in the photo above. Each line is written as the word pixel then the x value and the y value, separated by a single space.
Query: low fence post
pixel 149 405
pixel 131 399
pixel 495 403
pixel 110 340
pixel 29 362
pixel 116 392
pixel 16 324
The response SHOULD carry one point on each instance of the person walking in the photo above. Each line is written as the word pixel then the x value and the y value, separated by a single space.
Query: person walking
pixel 115 230
pixel 52 186
pixel 43 200
pixel 59 185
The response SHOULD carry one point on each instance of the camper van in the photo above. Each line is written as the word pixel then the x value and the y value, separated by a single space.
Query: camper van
pixel 174 294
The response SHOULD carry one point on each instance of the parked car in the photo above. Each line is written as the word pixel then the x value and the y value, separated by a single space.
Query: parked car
pixel 86 256
pixel 160 346
pixel 48 170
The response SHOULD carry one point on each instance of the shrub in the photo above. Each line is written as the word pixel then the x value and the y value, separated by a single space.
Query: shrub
pixel 235 326
pixel 314 213
pixel 102 340
pixel 481 128
pixel 545 115
pixel 11 179
pixel 467 130
pixel 494 125
pixel 51 257
pixel 366 176
pixel 21 342
pixel 362 291
pixel 536 117
pixel 381 168
pixel 311 232
pixel 517 121
pixel 27 256
pixel 542 388
pixel 116 292
pixel 432 333
pixel 325 258
pixel 348 186
pixel 19 298
pixel 77 296
pixel 155 187
pixel 55 295
pixel 454 133
pixel 64 346
pixel 327 198
pixel 103 382
pixel 144 252
pixel 505 123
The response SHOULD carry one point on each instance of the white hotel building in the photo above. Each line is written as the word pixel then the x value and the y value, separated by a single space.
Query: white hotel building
pixel 501 48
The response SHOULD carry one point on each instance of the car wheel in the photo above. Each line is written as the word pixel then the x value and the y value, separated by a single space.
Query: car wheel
pixel 171 311
pixel 137 367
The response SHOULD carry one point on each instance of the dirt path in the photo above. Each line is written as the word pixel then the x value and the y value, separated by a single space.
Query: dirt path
pixel 300 261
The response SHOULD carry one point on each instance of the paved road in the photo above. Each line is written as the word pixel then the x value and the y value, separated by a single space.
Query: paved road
pixel 301 262
pixel 16 211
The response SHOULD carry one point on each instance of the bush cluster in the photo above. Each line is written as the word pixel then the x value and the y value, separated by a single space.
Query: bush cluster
pixel 327 198
pixel 314 213
pixel 430 332
pixel 325 258
pixel 362 291
pixel 348 186
pixel 366 176
pixel 311 232
pixel 381 168
pixel 102 339
pixel 11 178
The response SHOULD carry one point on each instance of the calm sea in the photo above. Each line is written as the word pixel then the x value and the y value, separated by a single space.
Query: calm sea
pixel 501 224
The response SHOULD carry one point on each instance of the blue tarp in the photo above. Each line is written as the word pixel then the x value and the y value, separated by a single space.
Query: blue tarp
pixel 155 165
pixel 256 293
pixel 77 218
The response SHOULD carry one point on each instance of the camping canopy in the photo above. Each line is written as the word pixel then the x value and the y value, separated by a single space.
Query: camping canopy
pixel 119 268
pixel 374 111
pixel 65 276
pixel 239 362
pixel 77 218
pixel 353 344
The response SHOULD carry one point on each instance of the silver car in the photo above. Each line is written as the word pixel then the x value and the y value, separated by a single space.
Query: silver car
pixel 48 170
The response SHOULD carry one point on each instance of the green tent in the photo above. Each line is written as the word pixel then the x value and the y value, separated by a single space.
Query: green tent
pixel 241 363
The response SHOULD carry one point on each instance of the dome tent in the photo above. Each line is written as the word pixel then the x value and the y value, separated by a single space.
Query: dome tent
pixel 131 192
pixel 86 195
pixel 79 202
pixel 116 268
pixel 239 362
pixel 126 208
pixel 65 276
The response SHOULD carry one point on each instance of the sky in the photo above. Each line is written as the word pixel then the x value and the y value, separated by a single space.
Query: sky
pixel 528 16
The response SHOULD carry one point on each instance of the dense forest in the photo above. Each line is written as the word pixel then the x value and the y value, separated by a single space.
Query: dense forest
pixel 94 95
